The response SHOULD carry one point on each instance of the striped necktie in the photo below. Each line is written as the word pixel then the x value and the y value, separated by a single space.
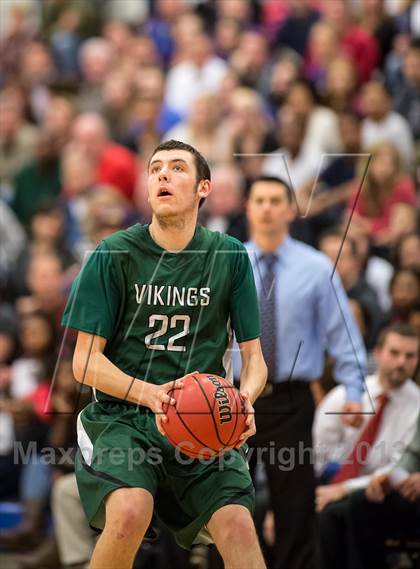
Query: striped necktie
pixel 268 314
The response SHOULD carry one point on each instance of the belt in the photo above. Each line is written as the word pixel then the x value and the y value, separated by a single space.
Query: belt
pixel 284 386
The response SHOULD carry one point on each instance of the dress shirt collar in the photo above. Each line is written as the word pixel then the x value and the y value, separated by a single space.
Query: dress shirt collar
pixel 280 252
pixel 375 389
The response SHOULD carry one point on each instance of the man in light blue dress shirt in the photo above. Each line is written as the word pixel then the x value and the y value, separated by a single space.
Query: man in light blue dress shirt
pixel 304 313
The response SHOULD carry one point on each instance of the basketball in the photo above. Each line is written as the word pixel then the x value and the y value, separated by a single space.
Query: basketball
pixel 208 417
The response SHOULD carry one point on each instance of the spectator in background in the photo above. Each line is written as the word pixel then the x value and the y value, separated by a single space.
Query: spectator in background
pixel 404 290
pixel 223 210
pixel 354 40
pixel 372 449
pixel 389 506
pixel 284 72
pixel 322 133
pixel 46 235
pixel 25 399
pixel 376 270
pixel 379 25
pixel 324 198
pixel 202 130
pixel 46 291
pixel 250 59
pixel 408 251
pixel 248 131
pixel 118 95
pixel 385 210
pixel 293 161
pixel 12 243
pixel 18 140
pixel 407 99
pixel 323 46
pixel 200 72
pixel 36 72
pixel 115 165
pixel 295 28
pixel 339 92
pixel 39 180
pixel 342 250
pixel 97 59
pixel 383 125
pixel 59 116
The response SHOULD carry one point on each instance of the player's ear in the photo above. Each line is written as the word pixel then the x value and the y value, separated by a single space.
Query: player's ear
pixel 204 188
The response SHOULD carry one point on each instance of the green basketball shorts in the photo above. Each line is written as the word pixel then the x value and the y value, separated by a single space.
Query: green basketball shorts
pixel 120 447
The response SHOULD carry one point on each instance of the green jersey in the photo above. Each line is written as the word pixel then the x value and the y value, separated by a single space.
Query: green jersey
pixel 166 314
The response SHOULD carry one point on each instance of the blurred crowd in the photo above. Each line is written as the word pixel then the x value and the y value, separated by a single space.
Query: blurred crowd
pixel 322 93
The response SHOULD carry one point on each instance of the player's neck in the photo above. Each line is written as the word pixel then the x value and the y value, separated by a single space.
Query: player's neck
pixel 173 234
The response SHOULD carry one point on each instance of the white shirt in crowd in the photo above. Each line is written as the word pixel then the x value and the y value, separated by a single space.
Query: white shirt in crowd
pixel 393 129
pixel 333 441
pixel 185 82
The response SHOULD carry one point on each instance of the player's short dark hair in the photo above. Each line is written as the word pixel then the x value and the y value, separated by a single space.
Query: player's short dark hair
pixel 201 165
pixel 276 180
pixel 401 329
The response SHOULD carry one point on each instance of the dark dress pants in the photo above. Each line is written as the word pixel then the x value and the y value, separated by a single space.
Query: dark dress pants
pixel 283 443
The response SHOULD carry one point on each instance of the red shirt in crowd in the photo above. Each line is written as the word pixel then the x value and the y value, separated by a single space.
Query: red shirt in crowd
pixel 117 167
pixel 404 192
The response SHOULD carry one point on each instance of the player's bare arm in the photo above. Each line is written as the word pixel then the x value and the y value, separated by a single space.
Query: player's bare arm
pixel 91 367
pixel 252 381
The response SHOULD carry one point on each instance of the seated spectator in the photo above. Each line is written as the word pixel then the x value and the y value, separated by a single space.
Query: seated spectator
pixel 323 46
pixel 25 399
pixel 39 180
pixel 118 95
pixel 284 72
pixel 223 209
pixel 18 140
pixel 377 271
pixel 379 24
pixel 407 99
pixel 250 59
pixel 12 243
pixel 248 131
pixel 58 117
pixel 202 130
pixel 324 198
pixel 405 293
pixel 46 235
pixel 293 161
pixel 200 72
pixel 342 250
pixel 354 40
pixel 295 28
pixel 385 209
pixel 407 251
pixel 322 132
pixel 340 85
pixel 372 449
pixel 96 58
pixel 388 508
pixel 383 125
pixel 115 165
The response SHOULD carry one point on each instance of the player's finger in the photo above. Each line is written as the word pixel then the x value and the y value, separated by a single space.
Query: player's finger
pixel 166 399
pixel 177 383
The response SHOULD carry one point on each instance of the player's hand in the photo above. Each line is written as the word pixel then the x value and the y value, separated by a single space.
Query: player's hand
pixel 377 489
pixel 410 488
pixel 158 398
pixel 250 420
pixel 352 414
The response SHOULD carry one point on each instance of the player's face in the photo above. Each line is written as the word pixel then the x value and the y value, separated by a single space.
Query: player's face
pixel 172 183
pixel 397 358
pixel 268 209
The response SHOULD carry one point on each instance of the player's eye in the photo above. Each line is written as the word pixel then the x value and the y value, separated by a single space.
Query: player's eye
pixel 177 167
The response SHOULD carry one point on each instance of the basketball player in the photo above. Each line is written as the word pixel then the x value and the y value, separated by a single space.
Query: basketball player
pixel 153 303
